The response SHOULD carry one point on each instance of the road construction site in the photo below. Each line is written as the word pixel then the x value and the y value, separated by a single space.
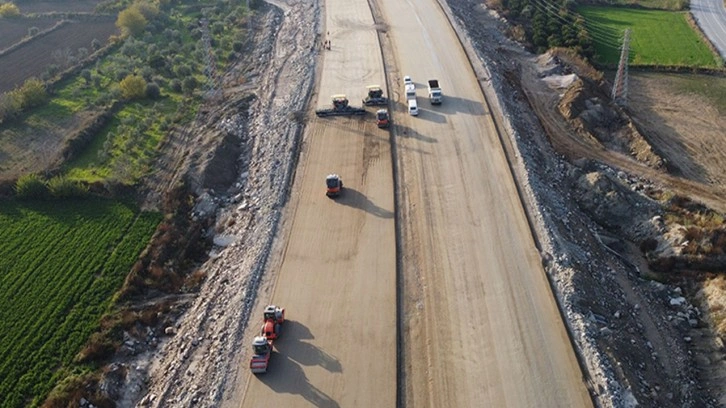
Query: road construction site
pixel 454 268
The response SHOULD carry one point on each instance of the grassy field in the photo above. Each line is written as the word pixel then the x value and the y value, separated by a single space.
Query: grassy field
pixel 60 263
pixel 657 37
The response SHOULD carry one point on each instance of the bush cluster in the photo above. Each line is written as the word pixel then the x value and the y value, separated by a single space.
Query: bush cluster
pixel 32 93
pixel 9 10
pixel 34 187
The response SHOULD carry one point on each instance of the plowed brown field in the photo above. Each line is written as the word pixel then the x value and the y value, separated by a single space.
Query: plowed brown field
pixel 34 57
pixel 14 30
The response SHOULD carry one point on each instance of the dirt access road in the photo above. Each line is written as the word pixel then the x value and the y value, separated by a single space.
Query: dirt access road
pixel 480 323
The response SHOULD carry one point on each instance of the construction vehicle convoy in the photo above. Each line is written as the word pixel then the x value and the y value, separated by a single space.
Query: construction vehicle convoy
pixel 273 318
pixel 375 96
pixel 334 184
pixel 340 108
pixel 435 94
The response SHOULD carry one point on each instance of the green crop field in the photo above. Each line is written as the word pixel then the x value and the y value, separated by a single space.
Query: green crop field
pixel 60 264
pixel 657 37
pixel 675 5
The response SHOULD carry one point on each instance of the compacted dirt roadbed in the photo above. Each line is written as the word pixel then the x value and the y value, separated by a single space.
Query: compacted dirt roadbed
pixel 337 278
pixel 481 325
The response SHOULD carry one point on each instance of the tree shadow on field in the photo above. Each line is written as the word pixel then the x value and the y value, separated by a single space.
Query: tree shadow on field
pixel 303 352
pixel 286 376
pixel 356 199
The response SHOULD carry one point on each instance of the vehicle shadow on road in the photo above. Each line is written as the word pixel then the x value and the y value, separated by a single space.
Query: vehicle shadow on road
pixel 286 376
pixel 431 115
pixel 455 104
pixel 356 199
pixel 297 331
pixel 303 352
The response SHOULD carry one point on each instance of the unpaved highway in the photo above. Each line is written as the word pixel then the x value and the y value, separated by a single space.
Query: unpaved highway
pixel 480 325
pixel 337 277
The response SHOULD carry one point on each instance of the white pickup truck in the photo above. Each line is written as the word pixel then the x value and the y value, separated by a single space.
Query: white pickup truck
pixel 410 92
pixel 435 94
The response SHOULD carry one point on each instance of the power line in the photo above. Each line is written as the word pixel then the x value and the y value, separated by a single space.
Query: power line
pixel 620 88
pixel 604 34
pixel 209 59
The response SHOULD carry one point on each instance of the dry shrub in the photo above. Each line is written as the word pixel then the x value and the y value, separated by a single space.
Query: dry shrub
pixel 495 5
pixel 581 67
pixel 718 241
pixel 664 265
pixel 149 317
pixel 69 392
pixel 693 233
pixel 195 279
pixel 648 245
pixel 156 272
pixel 99 347
pixel 127 319
pixel 712 297
pixel 518 33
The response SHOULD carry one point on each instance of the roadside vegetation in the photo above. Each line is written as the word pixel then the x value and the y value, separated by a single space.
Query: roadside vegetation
pixel 661 36
pixel 151 80
pixel 61 263
pixel 71 260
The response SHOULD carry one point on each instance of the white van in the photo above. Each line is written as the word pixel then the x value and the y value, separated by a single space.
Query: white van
pixel 412 107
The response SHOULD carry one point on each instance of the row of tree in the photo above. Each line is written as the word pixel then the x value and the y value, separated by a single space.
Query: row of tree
pixel 550 24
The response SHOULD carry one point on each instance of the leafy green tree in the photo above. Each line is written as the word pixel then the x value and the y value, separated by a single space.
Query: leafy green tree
pixel 182 71
pixel 133 87
pixel 131 22
pixel 176 85
pixel 189 84
pixel 86 75
pixel 153 91
pixel 122 73
pixel 31 186
pixel 148 9
pixel 9 10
